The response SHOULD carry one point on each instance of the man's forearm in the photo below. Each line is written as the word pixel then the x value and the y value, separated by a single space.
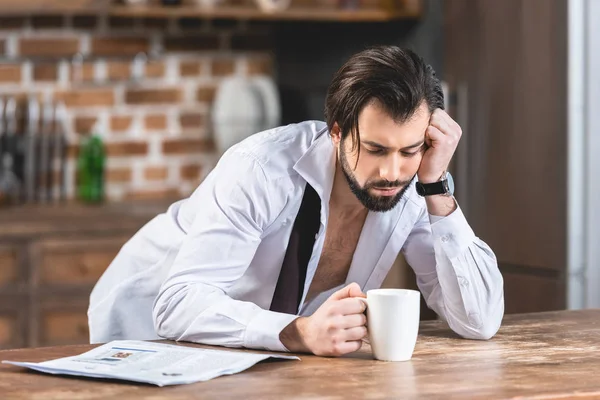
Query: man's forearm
pixel 440 205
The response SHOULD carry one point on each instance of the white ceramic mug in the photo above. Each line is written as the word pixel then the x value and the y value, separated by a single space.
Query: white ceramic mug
pixel 393 322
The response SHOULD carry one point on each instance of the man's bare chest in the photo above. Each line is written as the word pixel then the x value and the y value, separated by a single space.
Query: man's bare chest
pixel 341 239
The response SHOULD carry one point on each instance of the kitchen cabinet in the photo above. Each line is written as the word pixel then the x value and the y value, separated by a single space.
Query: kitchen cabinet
pixel 50 259
pixel 506 69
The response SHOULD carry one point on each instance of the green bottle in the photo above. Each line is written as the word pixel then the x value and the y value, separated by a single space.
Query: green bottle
pixel 90 169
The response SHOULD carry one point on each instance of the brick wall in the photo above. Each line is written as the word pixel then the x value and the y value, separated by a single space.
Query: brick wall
pixel 155 127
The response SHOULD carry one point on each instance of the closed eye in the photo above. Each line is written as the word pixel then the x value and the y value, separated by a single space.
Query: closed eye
pixel 407 154
pixel 376 151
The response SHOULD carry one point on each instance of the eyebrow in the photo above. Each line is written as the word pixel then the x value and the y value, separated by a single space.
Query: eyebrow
pixel 382 147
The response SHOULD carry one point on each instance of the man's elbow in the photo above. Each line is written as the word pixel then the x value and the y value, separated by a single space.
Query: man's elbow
pixel 485 332
pixel 485 328
pixel 165 314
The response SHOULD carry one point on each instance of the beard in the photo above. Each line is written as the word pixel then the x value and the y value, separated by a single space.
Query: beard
pixel 372 202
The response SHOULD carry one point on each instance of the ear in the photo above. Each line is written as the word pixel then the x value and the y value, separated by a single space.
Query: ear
pixel 336 134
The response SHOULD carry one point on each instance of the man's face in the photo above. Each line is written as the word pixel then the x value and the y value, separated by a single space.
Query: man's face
pixel 390 155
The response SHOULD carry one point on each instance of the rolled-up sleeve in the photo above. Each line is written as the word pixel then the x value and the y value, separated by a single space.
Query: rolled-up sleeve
pixel 192 304
pixel 458 274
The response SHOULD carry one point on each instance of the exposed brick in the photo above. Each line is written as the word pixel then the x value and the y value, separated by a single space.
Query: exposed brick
pixel 206 94
pixel 249 41
pixel 10 73
pixel 72 150
pixel 190 172
pixel 120 123
pixel 182 146
pixel 126 149
pixel 120 22
pixel 153 96
pixel 190 68
pixel 153 194
pixel 119 46
pixel 87 97
pixel 47 21
pixel 155 70
pixel 223 67
pixel 118 175
pixel 156 173
pixel 192 43
pixel 155 122
pixel 118 71
pixel 48 47
pixel 12 23
pixel 155 23
pixel 84 125
pixel 84 22
pixel 87 71
pixel 45 72
pixel 260 66
pixel 191 120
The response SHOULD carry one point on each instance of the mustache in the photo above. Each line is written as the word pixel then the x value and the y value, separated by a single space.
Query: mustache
pixel 385 184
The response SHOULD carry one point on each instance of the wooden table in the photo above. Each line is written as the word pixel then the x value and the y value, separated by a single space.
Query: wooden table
pixel 542 356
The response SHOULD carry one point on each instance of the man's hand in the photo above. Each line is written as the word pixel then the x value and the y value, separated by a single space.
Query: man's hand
pixel 336 328
pixel 441 137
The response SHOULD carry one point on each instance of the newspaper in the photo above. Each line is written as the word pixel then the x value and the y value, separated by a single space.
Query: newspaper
pixel 155 363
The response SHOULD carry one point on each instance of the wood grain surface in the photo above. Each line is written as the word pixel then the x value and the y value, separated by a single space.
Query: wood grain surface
pixel 553 355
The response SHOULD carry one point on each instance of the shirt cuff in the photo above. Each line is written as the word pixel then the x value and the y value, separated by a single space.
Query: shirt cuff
pixel 264 329
pixel 435 218
pixel 453 232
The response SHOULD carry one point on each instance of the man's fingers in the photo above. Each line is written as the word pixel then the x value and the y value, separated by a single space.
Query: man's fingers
pixel 349 347
pixel 353 321
pixel 350 306
pixel 435 135
pixel 445 123
pixel 351 290
pixel 356 333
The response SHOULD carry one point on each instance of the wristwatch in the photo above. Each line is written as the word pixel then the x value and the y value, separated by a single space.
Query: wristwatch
pixel 445 186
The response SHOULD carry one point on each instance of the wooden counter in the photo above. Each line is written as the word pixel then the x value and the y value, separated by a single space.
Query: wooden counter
pixel 50 258
pixel 543 356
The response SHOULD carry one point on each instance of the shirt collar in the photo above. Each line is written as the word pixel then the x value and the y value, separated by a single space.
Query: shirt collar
pixel 317 165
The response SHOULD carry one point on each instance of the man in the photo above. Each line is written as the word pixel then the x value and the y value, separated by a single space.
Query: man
pixel 294 223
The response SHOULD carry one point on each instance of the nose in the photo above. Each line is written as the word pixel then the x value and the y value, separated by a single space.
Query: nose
pixel 390 168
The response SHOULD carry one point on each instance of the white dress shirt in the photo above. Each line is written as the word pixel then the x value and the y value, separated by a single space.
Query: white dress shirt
pixel 205 270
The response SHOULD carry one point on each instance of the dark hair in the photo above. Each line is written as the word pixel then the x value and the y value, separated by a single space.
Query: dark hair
pixel 397 78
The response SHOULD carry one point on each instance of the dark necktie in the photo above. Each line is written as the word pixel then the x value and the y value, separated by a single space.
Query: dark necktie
pixel 290 285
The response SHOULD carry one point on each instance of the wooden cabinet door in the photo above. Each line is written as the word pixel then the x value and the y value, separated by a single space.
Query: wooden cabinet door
pixel 505 65
pixel 13 312
pixel 62 320
pixel 65 271
pixel 75 263
pixel 10 272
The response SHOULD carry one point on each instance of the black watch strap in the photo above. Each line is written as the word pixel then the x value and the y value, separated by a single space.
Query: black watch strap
pixel 431 189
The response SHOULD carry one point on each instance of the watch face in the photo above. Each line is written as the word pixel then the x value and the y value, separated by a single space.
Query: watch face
pixel 450 182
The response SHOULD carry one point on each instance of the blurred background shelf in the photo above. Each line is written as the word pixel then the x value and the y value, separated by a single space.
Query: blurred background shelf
pixel 253 13
pixel 41 7
pixel 299 11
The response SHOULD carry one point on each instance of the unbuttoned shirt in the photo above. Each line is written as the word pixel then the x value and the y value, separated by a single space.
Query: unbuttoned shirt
pixel 205 270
